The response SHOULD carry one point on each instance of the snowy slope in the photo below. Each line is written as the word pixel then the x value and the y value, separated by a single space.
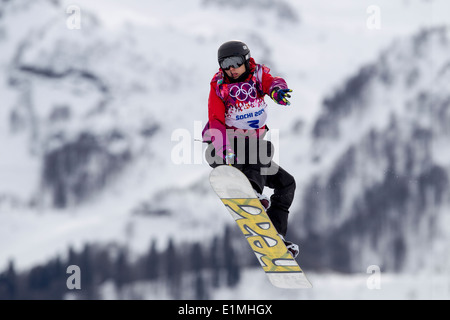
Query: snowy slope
pixel 384 179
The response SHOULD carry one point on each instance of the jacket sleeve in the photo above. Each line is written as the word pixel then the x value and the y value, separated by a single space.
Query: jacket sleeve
pixel 269 82
pixel 216 117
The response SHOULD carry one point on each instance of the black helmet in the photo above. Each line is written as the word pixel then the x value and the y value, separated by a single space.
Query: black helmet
pixel 233 48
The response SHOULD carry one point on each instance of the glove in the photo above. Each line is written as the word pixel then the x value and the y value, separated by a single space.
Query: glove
pixel 230 157
pixel 280 96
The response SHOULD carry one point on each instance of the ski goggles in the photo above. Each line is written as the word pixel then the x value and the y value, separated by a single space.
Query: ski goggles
pixel 235 62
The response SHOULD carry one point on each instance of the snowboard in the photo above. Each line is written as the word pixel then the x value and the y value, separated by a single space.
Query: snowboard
pixel 238 196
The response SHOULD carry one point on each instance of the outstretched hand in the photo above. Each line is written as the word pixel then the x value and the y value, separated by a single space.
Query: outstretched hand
pixel 280 96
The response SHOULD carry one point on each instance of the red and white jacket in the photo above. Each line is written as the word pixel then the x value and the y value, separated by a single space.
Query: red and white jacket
pixel 238 108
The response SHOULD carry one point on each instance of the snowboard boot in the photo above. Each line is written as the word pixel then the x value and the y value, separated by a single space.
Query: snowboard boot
pixel 292 247
pixel 265 200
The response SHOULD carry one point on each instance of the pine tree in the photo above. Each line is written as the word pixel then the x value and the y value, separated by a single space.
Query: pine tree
pixel 198 267
pixel 122 271
pixel 88 272
pixel 232 269
pixel 215 263
pixel 152 263
pixel 173 270
pixel 9 283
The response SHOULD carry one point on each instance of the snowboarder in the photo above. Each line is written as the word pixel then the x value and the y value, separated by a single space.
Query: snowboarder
pixel 237 125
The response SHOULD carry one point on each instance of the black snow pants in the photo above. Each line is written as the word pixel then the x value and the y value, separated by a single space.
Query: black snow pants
pixel 254 159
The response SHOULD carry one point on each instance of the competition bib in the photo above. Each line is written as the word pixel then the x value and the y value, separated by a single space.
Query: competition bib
pixel 248 110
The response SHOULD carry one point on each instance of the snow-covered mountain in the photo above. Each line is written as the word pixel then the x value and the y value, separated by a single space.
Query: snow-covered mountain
pixel 384 194
pixel 93 121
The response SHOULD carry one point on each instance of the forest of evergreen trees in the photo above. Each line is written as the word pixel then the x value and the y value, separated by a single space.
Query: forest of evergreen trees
pixel 180 271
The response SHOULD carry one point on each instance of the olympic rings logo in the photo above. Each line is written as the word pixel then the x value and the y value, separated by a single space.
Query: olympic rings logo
pixel 243 92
